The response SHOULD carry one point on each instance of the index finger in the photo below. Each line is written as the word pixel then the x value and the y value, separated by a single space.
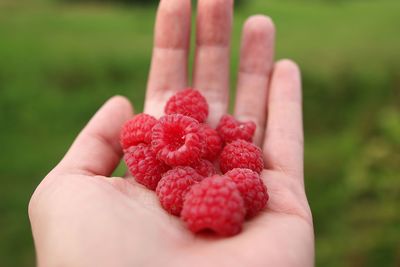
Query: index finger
pixel 168 71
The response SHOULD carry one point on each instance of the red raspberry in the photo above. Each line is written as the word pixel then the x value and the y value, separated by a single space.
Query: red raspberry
pixel 144 166
pixel 230 129
pixel 215 204
pixel 178 140
pixel 173 186
pixel 188 102
pixel 205 168
pixel 241 154
pixel 137 130
pixel 252 188
pixel 213 143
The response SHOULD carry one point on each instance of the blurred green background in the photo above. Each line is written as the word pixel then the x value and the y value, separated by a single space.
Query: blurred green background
pixel 60 61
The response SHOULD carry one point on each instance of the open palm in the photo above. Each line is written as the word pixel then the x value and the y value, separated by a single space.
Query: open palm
pixel 81 217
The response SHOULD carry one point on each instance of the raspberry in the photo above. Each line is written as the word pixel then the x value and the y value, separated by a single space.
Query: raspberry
pixel 137 130
pixel 230 129
pixel 144 166
pixel 178 140
pixel 174 185
pixel 188 102
pixel 214 204
pixel 205 168
pixel 213 143
pixel 252 188
pixel 241 154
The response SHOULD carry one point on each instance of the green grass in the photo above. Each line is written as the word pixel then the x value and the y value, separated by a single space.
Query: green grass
pixel 59 63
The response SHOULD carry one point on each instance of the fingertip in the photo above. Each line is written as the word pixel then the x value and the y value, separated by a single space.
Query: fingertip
pixel 120 100
pixel 258 45
pixel 287 73
pixel 121 103
pixel 259 24
pixel 287 67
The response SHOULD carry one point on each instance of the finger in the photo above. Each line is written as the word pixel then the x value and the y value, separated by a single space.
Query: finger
pixel 96 151
pixel 256 60
pixel 168 71
pixel 211 68
pixel 283 145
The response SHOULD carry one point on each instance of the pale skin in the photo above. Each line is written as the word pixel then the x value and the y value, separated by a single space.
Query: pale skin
pixel 82 217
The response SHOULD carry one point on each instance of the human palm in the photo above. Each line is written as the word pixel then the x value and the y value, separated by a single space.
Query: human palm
pixel 82 217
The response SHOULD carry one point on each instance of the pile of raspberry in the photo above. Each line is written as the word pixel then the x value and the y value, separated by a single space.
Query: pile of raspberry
pixel 208 177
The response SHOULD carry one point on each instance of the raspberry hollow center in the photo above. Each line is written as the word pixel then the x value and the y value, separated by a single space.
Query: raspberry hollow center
pixel 175 136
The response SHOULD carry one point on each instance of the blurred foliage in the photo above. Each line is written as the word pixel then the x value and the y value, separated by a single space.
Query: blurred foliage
pixel 59 63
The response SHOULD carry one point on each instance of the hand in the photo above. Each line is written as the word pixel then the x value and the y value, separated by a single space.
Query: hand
pixel 81 217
